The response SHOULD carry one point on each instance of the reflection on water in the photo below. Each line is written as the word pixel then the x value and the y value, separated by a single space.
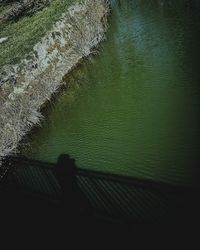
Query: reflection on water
pixel 134 108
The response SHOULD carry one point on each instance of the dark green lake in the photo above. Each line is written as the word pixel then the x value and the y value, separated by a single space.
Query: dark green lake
pixel 133 109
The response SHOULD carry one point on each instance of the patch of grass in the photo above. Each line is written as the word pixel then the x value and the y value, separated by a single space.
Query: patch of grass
pixel 4 7
pixel 25 33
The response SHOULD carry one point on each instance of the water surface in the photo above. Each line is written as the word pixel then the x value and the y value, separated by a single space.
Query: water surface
pixel 133 109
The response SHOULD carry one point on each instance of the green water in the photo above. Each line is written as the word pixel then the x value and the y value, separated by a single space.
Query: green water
pixel 133 109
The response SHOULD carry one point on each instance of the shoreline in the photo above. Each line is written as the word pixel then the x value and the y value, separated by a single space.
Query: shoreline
pixel 27 86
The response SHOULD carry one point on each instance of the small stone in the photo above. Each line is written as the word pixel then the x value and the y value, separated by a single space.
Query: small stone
pixel 3 39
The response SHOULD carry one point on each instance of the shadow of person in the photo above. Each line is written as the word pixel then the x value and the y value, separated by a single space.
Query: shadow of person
pixel 75 206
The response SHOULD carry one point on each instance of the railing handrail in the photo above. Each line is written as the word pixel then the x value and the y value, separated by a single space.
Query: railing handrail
pixel 122 179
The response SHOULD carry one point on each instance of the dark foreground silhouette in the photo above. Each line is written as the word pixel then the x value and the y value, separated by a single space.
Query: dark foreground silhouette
pixel 26 214
pixel 29 215
pixel 75 206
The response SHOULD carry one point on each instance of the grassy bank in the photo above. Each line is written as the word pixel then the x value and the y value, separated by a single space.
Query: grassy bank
pixel 4 6
pixel 25 33
pixel 79 33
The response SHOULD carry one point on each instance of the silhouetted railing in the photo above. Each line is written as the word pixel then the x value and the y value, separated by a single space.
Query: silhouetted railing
pixel 110 194
pixel 128 180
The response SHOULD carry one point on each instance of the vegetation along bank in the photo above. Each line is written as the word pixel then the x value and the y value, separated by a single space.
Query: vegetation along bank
pixel 45 45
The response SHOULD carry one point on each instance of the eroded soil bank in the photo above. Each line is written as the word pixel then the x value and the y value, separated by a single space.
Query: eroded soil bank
pixel 26 86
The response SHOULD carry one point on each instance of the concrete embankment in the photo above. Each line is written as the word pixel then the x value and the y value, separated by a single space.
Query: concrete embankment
pixel 26 86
